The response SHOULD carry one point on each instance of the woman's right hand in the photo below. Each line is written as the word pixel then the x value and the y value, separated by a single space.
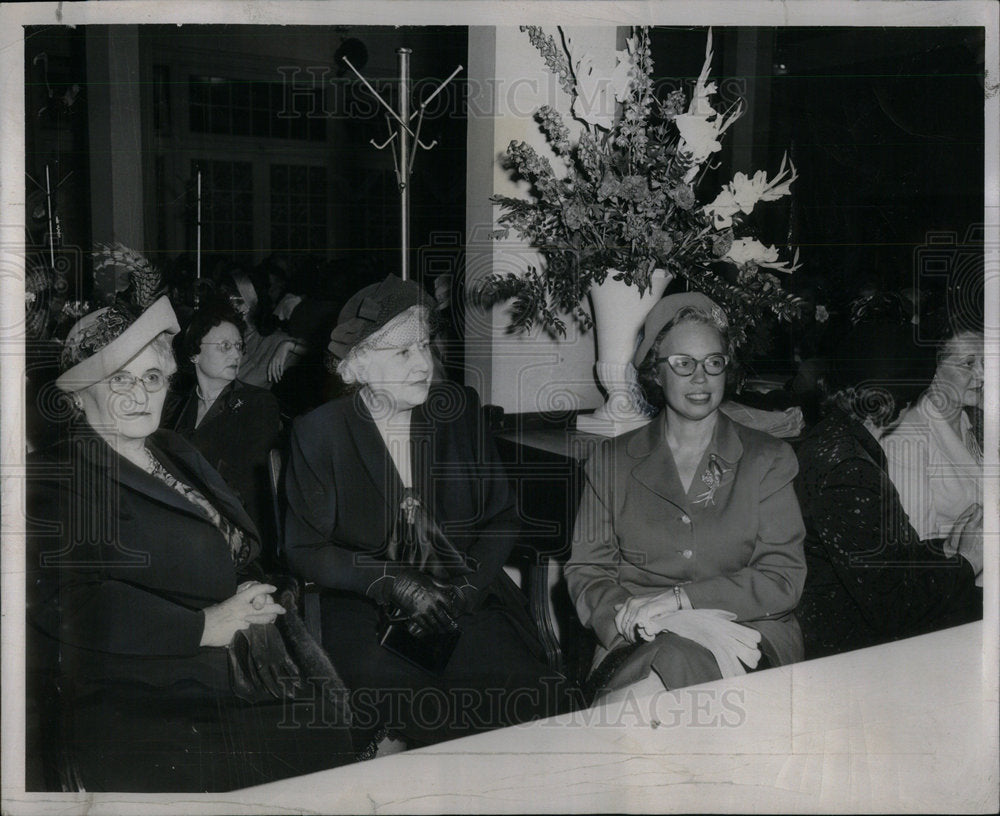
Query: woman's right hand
pixel 428 604
pixel 252 603
pixel 279 360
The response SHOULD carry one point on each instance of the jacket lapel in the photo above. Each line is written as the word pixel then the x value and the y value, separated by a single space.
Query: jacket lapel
pixel 717 470
pixel 97 457
pixel 221 405
pixel 371 450
pixel 656 468
pixel 98 454
pixel 205 479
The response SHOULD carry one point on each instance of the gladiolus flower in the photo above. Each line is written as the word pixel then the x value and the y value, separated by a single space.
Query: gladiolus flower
pixel 743 193
pixel 751 251
pixel 593 103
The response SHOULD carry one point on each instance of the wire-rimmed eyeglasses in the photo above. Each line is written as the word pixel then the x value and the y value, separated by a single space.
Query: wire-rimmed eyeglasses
pixel 122 382
pixel 225 346
pixel 684 365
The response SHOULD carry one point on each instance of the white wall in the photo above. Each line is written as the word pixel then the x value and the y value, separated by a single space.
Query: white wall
pixel 521 373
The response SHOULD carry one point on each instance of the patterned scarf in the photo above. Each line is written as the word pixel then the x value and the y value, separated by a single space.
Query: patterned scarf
pixel 238 547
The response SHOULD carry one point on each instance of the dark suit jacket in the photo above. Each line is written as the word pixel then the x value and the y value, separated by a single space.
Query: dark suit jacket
pixel 235 436
pixel 120 565
pixel 737 547
pixel 343 490
pixel 871 578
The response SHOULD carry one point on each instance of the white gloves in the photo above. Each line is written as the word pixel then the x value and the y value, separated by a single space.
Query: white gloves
pixel 730 643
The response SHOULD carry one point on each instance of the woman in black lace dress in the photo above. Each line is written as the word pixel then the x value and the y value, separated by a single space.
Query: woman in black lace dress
pixel 870 578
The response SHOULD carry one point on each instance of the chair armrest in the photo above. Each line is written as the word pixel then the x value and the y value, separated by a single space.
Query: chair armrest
pixel 537 578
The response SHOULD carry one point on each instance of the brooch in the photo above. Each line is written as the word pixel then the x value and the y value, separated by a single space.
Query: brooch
pixel 712 478
pixel 238 404
pixel 409 507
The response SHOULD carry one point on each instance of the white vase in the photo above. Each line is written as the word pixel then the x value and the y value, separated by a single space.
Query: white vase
pixel 619 311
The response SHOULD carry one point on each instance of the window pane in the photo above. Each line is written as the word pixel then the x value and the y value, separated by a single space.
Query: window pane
pixel 197 119
pixel 227 206
pixel 298 214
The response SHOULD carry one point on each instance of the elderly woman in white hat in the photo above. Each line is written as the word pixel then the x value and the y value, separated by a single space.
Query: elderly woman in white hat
pixel 687 557
pixel 399 508
pixel 141 587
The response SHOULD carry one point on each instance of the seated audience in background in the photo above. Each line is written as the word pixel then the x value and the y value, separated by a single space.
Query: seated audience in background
pixel 269 351
pixel 400 510
pixel 304 311
pixel 935 456
pixel 145 604
pixel 687 557
pixel 233 424
pixel 871 579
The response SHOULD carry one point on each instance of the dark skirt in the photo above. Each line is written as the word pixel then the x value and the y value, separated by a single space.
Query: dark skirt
pixel 126 739
pixel 497 675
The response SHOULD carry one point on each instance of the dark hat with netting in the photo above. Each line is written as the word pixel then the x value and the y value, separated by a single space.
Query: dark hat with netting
pixel 371 308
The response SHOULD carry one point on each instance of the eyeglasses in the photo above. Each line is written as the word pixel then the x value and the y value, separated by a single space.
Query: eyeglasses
pixel 225 346
pixel 684 365
pixel 122 382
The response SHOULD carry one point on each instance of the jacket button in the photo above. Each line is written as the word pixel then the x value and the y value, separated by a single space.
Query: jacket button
pixel 686 519
pixel 687 553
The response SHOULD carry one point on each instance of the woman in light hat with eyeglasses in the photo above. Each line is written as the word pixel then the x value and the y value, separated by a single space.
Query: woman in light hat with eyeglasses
pixel 687 557
pixel 406 464
pixel 141 576
pixel 233 424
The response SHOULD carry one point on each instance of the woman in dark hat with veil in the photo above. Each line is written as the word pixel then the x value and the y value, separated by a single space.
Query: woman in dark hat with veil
pixel 399 509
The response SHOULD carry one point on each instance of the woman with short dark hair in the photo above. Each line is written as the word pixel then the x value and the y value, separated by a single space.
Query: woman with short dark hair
pixel 233 424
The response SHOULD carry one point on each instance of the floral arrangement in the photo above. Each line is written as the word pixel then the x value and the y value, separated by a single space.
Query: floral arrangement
pixel 627 197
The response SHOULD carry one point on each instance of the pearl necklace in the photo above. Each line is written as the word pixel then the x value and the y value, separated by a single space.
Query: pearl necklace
pixel 202 397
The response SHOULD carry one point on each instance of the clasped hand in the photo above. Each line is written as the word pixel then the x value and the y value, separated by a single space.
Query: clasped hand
pixel 252 603
pixel 636 616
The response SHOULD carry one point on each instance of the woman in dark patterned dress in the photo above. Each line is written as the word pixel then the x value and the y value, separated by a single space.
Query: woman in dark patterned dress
pixel 870 578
